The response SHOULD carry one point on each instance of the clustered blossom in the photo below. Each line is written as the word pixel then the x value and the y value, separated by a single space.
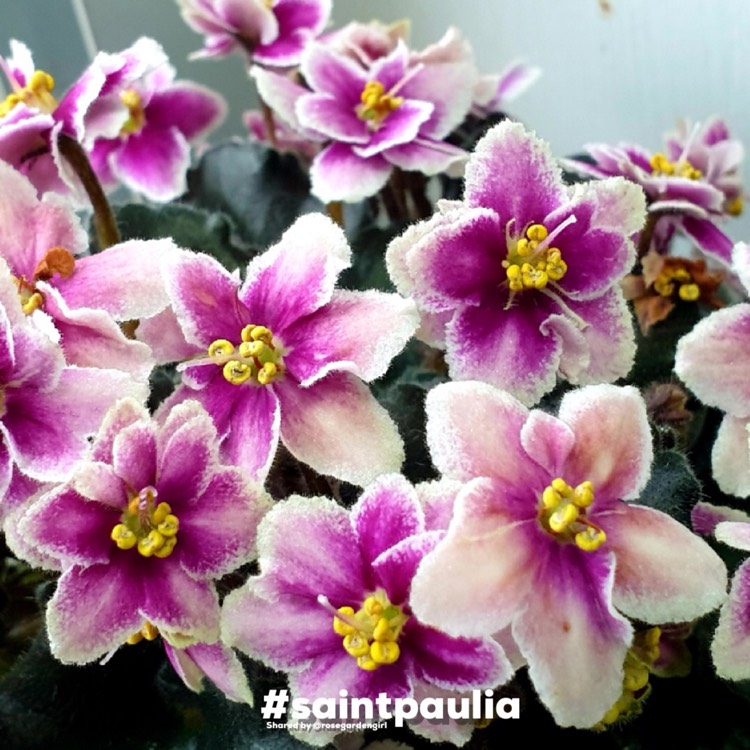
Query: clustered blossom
pixel 125 110
pixel 531 550
pixel 270 32
pixel 690 188
pixel 373 116
pixel 519 281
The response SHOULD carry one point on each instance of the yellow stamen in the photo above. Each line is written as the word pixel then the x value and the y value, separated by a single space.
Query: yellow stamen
pixel 36 94
pixel 735 206
pixel 563 517
pixel 689 292
pixel 537 232
pixel 34 302
pixel 267 373
pixel 237 372
pixel 370 635
pixel 151 543
pixel 356 644
pixel 590 539
pixel 376 104
pixel 136 114
pixel 149 631
pixel 384 652
pixel 150 527
pixel 220 348
pixel 341 627
pixel 123 537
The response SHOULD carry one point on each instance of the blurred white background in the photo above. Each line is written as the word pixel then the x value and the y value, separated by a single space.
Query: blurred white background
pixel 613 70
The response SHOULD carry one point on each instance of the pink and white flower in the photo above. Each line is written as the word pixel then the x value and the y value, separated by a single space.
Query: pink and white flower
pixel 390 113
pixel 151 520
pixel 270 32
pixel 140 129
pixel 519 281
pixel 712 360
pixel 332 605
pixel 543 539
pixel 284 355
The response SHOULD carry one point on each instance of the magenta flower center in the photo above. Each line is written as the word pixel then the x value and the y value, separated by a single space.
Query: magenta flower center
pixel 371 634
pixel 532 262
pixel 256 360
pixel 36 94
pixel 148 526
pixel 563 513
pixel 136 115
pixel 376 104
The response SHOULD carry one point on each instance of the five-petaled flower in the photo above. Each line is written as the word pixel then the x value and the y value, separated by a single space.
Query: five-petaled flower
pixel 142 530
pixel 542 540
pixel 331 606
pixel 285 353
pixel 519 281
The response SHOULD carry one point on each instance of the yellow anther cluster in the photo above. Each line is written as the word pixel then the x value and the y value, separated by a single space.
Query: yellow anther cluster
pixel 377 104
pixel 257 358
pixel 677 279
pixel 148 632
pixel 30 298
pixel 136 116
pixel 563 513
pixel 36 94
pixel 531 264
pixel 371 634
pixel 149 527
pixel 639 660
pixel 735 206
pixel 683 168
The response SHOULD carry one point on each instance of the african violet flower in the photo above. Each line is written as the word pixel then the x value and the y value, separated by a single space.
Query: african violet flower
pixel 285 353
pixel 388 114
pixel 542 540
pixel 151 519
pixel 79 300
pixel 31 118
pixel 270 32
pixel 731 645
pixel 519 281
pixel 712 360
pixel 690 188
pixel 140 129
pixel 48 409
pixel 332 604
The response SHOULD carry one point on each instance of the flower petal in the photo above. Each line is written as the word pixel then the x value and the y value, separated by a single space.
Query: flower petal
pixel 731 644
pixel 337 427
pixel 615 417
pixel 569 627
pixel 731 456
pixel 338 174
pixel 664 573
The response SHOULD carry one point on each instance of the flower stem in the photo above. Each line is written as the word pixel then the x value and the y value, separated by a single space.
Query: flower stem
pixel 105 225
pixel 335 210
pixel 647 234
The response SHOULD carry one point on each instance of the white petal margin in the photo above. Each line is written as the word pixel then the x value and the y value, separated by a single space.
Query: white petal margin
pixel 664 572
pixel 741 263
pixel 731 456
pixel 734 533
pixel 731 644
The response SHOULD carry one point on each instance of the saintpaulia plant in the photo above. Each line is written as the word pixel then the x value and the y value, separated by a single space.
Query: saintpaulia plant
pixel 284 354
pixel 140 129
pixel 151 520
pixel 390 113
pixel 691 187
pixel 270 32
pixel 712 360
pixel 542 539
pixel 78 300
pixel 49 409
pixel 332 604
pixel 519 282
